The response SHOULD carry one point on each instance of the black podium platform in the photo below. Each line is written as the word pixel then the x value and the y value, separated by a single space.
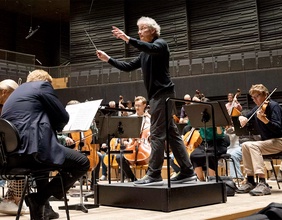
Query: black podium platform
pixel 161 198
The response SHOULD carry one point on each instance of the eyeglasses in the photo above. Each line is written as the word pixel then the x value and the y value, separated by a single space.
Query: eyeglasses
pixel 255 96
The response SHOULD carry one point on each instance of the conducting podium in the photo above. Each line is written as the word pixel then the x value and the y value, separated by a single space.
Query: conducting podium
pixel 162 198
pixel 81 118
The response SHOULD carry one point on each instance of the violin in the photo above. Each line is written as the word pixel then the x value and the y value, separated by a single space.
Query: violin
pixel 262 106
pixel 114 146
pixel 141 149
pixel 234 111
pixel 84 145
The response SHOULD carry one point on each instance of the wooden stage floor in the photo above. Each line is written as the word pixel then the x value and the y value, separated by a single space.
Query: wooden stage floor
pixel 238 206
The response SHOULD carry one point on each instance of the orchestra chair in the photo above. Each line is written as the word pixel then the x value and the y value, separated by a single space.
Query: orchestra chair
pixel 227 158
pixel 270 158
pixel 10 142
pixel 141 168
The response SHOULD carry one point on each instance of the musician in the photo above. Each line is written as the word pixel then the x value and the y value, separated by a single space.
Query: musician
pixel 15 187
pixel 37 113
pixel 140 103
pixel 198 156
pixel 154 62
pixel 232 103
pixel 183 116
pixel 12 197
pixel 234 149
pixel 267 117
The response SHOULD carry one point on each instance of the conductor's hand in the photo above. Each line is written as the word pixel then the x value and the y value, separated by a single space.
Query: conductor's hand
pixel 243 121
pixel 102 55
pixel 120 34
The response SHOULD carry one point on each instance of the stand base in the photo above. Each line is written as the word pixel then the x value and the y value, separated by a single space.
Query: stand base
pixel 80 207
pixel 89 195
pixel 161 198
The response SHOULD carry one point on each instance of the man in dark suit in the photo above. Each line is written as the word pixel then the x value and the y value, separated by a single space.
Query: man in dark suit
pixel 37 113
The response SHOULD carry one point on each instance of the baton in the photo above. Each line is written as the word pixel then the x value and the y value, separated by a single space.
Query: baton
pixel 90 39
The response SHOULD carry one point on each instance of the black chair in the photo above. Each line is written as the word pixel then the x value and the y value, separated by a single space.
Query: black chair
pixel 227 158
pixel 270 158
pixel 9 142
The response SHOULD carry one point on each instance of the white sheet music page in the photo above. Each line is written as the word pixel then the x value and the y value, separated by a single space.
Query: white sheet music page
pixel 81 115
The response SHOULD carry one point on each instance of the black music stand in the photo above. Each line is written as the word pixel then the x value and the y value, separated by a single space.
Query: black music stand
pixel 80 121
pixel 247 130
pixel 196 112
pixel 200 115
pixel 119 127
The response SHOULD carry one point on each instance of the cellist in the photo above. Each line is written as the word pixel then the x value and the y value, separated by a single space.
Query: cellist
pixel 140 105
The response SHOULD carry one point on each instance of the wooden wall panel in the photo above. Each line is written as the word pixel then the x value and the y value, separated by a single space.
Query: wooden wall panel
pixel 220 23
pixel 170 15
pixel 270 21
pixel 98 22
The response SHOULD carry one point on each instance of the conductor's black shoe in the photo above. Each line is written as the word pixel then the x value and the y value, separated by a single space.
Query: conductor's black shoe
pixel 50 213
pixel 36 210
pixel 149 181
pixel 182 178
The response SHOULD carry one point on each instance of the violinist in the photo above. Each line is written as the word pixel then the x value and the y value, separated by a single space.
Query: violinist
pixel 267 117
pixel 140 105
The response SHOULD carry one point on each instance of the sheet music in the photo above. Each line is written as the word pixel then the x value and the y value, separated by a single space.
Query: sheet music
pixel 81 115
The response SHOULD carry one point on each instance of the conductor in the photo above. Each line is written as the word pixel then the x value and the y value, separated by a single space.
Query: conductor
pixel 154 62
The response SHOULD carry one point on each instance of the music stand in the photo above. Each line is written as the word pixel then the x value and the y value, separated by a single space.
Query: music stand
pixel 201 115
pixel 243 131
pixel 119 127
pixel 80 121
pixel 196 111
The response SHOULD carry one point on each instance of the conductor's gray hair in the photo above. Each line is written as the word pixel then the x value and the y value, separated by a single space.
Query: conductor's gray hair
pixel 151 23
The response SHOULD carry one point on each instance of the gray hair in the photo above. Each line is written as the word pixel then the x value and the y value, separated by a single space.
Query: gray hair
pixel 151 23
pixel 8 84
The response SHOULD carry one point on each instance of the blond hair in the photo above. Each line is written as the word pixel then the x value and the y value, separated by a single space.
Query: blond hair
pixel 260 89
pixel 39 75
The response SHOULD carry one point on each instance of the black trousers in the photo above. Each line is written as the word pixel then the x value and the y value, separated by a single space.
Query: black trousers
pixel 158 137
pixel 75 165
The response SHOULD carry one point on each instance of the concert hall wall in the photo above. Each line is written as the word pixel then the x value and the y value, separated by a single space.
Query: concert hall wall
pixel 215 87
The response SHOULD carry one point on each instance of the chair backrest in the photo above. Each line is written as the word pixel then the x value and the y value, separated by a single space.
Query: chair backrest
pixel 9 136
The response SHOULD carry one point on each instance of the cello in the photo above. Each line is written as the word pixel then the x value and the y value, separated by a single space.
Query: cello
pixel 114 146
pixel 192 139
pixel 84 145
pixel 141 149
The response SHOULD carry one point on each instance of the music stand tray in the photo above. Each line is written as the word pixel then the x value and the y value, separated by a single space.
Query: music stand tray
pixel 195 113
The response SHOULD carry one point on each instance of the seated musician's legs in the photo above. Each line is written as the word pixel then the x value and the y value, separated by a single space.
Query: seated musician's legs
pixel 104 169
pixel 198 160
pixel 254 165
pixel 96 171
pixel 236 155
pixel 126 168
pixel 74 166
